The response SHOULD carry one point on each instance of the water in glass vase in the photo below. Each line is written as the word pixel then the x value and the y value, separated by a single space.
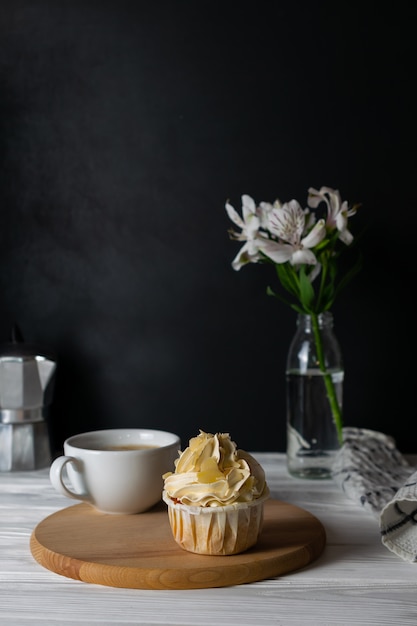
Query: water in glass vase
pixel 311 433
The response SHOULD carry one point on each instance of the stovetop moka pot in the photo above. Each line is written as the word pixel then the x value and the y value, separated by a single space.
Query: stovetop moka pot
pixel 26 387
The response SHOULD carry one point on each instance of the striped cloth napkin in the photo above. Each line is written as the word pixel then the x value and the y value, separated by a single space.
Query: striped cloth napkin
pixel 371 471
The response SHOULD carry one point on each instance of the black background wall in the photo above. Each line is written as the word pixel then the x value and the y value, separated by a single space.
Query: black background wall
pixel 125 126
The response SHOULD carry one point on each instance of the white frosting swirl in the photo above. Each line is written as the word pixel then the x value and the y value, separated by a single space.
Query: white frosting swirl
pixel 213 472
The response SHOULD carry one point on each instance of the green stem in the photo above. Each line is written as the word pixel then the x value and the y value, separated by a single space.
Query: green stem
pixel 328 381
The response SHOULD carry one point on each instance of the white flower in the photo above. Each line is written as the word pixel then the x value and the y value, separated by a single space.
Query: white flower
pixel 252 220
pixel 300 243
pixel 264 212
pixel 338 212
pixel 250 223
pixel 288 224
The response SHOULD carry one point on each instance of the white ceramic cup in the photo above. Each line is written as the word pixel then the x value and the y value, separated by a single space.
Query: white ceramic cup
pixel 116 470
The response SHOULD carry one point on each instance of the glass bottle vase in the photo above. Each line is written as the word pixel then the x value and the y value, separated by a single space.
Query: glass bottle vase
pixel 314 388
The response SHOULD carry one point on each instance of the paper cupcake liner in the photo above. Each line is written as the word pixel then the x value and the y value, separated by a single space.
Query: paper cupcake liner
pixel 216 530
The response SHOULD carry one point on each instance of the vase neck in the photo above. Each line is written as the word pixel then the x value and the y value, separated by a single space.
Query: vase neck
pixel 325 320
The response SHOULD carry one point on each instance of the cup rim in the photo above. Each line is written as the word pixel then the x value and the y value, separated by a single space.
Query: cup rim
pixel 84 440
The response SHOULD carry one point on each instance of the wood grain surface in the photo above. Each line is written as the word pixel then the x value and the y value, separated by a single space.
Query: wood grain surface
pixel 139 552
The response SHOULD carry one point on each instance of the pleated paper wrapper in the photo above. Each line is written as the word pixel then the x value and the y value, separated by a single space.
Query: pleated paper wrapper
pixel 222 530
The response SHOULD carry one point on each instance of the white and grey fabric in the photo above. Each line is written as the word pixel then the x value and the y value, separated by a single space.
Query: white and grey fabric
pixel 370 470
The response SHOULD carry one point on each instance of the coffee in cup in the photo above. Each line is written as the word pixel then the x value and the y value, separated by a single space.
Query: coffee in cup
pixel 116 470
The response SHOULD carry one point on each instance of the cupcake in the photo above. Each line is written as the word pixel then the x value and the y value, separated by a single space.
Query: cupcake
pixel 215 496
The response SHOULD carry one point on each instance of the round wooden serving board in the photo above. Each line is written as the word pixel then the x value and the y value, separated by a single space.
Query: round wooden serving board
pixel 139 552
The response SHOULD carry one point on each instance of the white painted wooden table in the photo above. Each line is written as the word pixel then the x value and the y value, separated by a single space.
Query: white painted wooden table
pixel 355 581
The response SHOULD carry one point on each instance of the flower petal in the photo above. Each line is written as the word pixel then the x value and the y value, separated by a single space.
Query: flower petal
pixel 234 215
pixel 246 254
pixel 346 236
pixel 288 222
pixel 301 257
pixel 277 252
pixel 316 234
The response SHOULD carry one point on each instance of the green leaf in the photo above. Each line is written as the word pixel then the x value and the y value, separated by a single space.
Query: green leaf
pixel 288 278
pixel 306 290
pixel 271 292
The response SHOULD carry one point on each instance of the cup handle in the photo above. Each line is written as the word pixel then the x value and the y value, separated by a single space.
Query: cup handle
pixel 56 477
